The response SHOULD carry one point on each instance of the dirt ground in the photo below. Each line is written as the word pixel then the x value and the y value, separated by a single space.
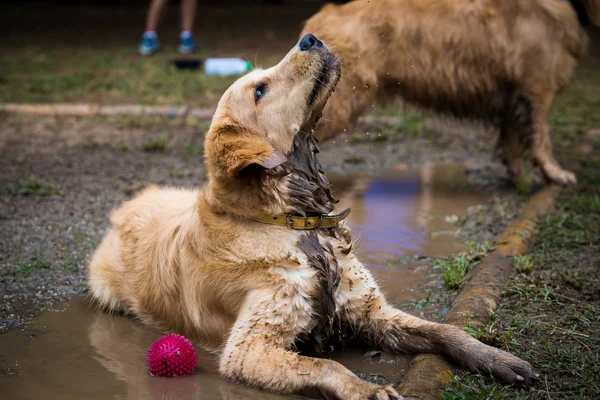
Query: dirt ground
pixel 61 176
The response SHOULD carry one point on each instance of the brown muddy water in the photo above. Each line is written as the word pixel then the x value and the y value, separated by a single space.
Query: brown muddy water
pixel 407 212
pixel 78 352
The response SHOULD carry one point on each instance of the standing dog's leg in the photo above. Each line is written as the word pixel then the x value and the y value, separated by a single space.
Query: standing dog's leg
pixel 381 325
pixel 515 131
pixel 258 352
pixel 541 144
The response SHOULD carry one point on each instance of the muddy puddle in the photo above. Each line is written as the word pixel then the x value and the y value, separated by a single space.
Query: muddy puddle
pixel 77 352
pixel 407 212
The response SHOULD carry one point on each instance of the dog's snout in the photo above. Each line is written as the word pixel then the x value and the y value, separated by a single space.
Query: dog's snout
pixel 308 42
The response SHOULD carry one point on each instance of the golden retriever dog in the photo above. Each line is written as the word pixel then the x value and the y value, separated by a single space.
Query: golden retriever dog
pixel 500 62
pixel 257 260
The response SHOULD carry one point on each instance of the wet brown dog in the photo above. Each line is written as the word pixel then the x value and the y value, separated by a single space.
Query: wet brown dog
pixel 236 265
pixel 501 62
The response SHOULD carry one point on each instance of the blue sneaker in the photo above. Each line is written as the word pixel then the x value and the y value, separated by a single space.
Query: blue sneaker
pixel 187 44
pixel 149 44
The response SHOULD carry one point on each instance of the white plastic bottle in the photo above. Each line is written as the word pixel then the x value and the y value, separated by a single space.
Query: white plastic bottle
pixel 226 66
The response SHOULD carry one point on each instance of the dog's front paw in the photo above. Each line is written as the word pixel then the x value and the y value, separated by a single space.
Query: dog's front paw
pixel 370 391
pixel 508 368
pixel 385 393
pixel 560 176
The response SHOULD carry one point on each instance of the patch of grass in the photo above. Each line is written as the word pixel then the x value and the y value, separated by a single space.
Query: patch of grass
pixel 382 136
pixel 158 144
pixel 479 249
pixel 74 262
pixel 413 124
pixel 456 267
pixel 523 184
pixel 544 292
pixel 455 270
pixel 576 223
pixel 575 109
pixel 479 387
pixel 568 230
pixel 31 187
pixel 588 174
pixel 589 202
pixel 28 268
pixel 404 124
pixel 122 146
pixel 193 149
pixel 492 336
pixel 524 263
pixel 111 75
pixel 575 364
pixel 357 137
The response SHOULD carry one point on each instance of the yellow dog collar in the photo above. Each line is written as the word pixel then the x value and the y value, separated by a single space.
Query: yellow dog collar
pixel 299 222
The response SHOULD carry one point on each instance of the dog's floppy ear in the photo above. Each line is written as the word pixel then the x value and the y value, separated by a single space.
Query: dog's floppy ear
pixel 234 149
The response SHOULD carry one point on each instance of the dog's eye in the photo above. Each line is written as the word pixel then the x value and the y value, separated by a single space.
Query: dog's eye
pixel 259 91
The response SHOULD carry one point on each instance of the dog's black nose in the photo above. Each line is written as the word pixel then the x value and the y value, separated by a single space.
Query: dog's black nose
pixel 308 42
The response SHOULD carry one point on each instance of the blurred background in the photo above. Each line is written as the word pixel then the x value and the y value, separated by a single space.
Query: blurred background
pixel 87 50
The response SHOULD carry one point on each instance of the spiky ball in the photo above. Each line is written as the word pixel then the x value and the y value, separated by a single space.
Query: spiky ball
pixel 171 355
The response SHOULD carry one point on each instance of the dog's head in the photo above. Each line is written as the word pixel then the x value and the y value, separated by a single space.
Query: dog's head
pixel 260 114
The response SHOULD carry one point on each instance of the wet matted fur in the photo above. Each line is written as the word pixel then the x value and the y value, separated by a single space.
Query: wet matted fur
pixel 501 62
pixel 197 263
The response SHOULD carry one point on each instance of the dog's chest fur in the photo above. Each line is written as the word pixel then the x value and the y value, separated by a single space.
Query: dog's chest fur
pixel 310 194
pixel 310 289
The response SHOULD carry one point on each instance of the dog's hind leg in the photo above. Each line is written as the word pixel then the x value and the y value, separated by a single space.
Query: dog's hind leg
pixel 510 151
pixel 258 352
pixel 540 141
pixel 515 132
pixel 104 273
pixel 376 322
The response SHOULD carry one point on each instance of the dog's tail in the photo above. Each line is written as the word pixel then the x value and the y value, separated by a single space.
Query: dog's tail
pixel 565 21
